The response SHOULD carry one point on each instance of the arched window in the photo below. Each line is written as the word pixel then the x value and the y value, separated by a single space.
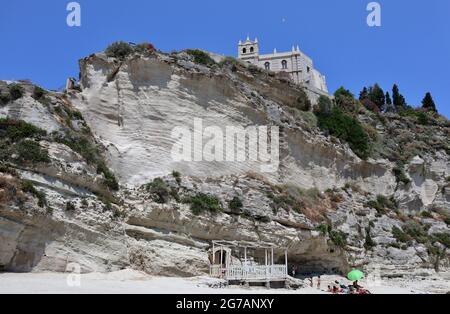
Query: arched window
pixel 244 50
pixel 284 64
pixel 267 65
pixel 252 49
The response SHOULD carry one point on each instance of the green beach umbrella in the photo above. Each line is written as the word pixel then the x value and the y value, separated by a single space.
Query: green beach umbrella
pixel 355 275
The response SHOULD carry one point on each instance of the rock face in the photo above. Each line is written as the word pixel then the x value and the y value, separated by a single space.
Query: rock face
pixel 134 116
pixel 316 204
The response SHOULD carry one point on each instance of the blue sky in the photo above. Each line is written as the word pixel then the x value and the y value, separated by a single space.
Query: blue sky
pixel 411 48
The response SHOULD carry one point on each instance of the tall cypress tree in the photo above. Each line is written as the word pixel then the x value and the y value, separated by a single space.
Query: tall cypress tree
pixel 364 94
pixel 398 99
pixel 389 106
pixel 388 99
pixel 376 95
pixel 428 103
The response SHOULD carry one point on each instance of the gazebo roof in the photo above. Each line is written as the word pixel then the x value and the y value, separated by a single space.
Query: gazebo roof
pixel 245 244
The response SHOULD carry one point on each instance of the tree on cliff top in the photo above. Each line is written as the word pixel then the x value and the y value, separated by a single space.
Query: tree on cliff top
pixel 428 103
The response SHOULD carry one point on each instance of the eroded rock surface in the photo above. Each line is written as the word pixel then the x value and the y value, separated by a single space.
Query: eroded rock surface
pixel 321 192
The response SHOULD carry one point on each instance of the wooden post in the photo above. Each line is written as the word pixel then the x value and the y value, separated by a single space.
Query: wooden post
pixel 265 253
pixel 286 261
pixel 221 261
pixel 272 267
pixel 244 269
pixel 214 255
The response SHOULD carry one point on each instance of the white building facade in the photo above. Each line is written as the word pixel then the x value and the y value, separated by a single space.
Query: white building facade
pixel 298 65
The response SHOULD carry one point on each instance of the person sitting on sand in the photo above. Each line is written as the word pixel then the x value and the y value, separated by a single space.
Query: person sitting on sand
pixel 359 289
pixel 356 286
pixel 343 288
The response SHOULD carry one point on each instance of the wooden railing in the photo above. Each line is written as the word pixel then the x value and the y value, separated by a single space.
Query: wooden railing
pixel 270 272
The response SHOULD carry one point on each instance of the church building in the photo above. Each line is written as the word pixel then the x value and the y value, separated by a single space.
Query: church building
pixel 298 65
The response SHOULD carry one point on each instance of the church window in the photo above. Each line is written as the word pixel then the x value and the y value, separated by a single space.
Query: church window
pixel 308 69
pixel 244 50
pixel 252 49
pixel 267 65
pixel 284 64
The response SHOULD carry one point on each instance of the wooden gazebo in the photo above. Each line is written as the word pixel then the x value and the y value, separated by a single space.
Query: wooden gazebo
pixel 247 263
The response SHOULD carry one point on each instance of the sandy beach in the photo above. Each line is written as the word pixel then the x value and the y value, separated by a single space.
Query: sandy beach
pixel 133 282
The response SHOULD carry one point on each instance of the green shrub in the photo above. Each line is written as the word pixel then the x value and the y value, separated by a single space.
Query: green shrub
pixel 84 146
pixel 76 115
pixel 28 187
pixel 443 238
pixel 345 99
pixel 420 116
pixel 338 237
pixel 325 105
pixel 119 50
pixel 4 99
pixel 110 180
pixel 84 203
pixel 416 231
pixel 341 91
pixel 374 204
pixel 400 175
pixel 30 151
pixel 145 48
pixel 369 242
pixel 294 198
pixel 177 176
pixel 389 203
pixel 302 102
pixel 308 117
pixel 201 57
pixel 107 206
pixel 400 236
pixel 229 62
pixel 346 128
pixel 204 203
pixel 38 92
pixel 323 229
pixel 382 204
pixel 174 194
pixel 426 214
pixel 81 145
pixel 159 191
pixel 15 91
pixel 236 204
pixel 70 207
pixel 8 170
pixel 16 130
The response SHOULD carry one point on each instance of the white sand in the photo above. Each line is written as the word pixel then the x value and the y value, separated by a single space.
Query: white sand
pixel 129 281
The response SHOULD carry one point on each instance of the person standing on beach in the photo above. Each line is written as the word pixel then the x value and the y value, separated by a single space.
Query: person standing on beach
pixel 318 282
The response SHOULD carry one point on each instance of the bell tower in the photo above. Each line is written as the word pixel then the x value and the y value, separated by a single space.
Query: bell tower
pixel 248 50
